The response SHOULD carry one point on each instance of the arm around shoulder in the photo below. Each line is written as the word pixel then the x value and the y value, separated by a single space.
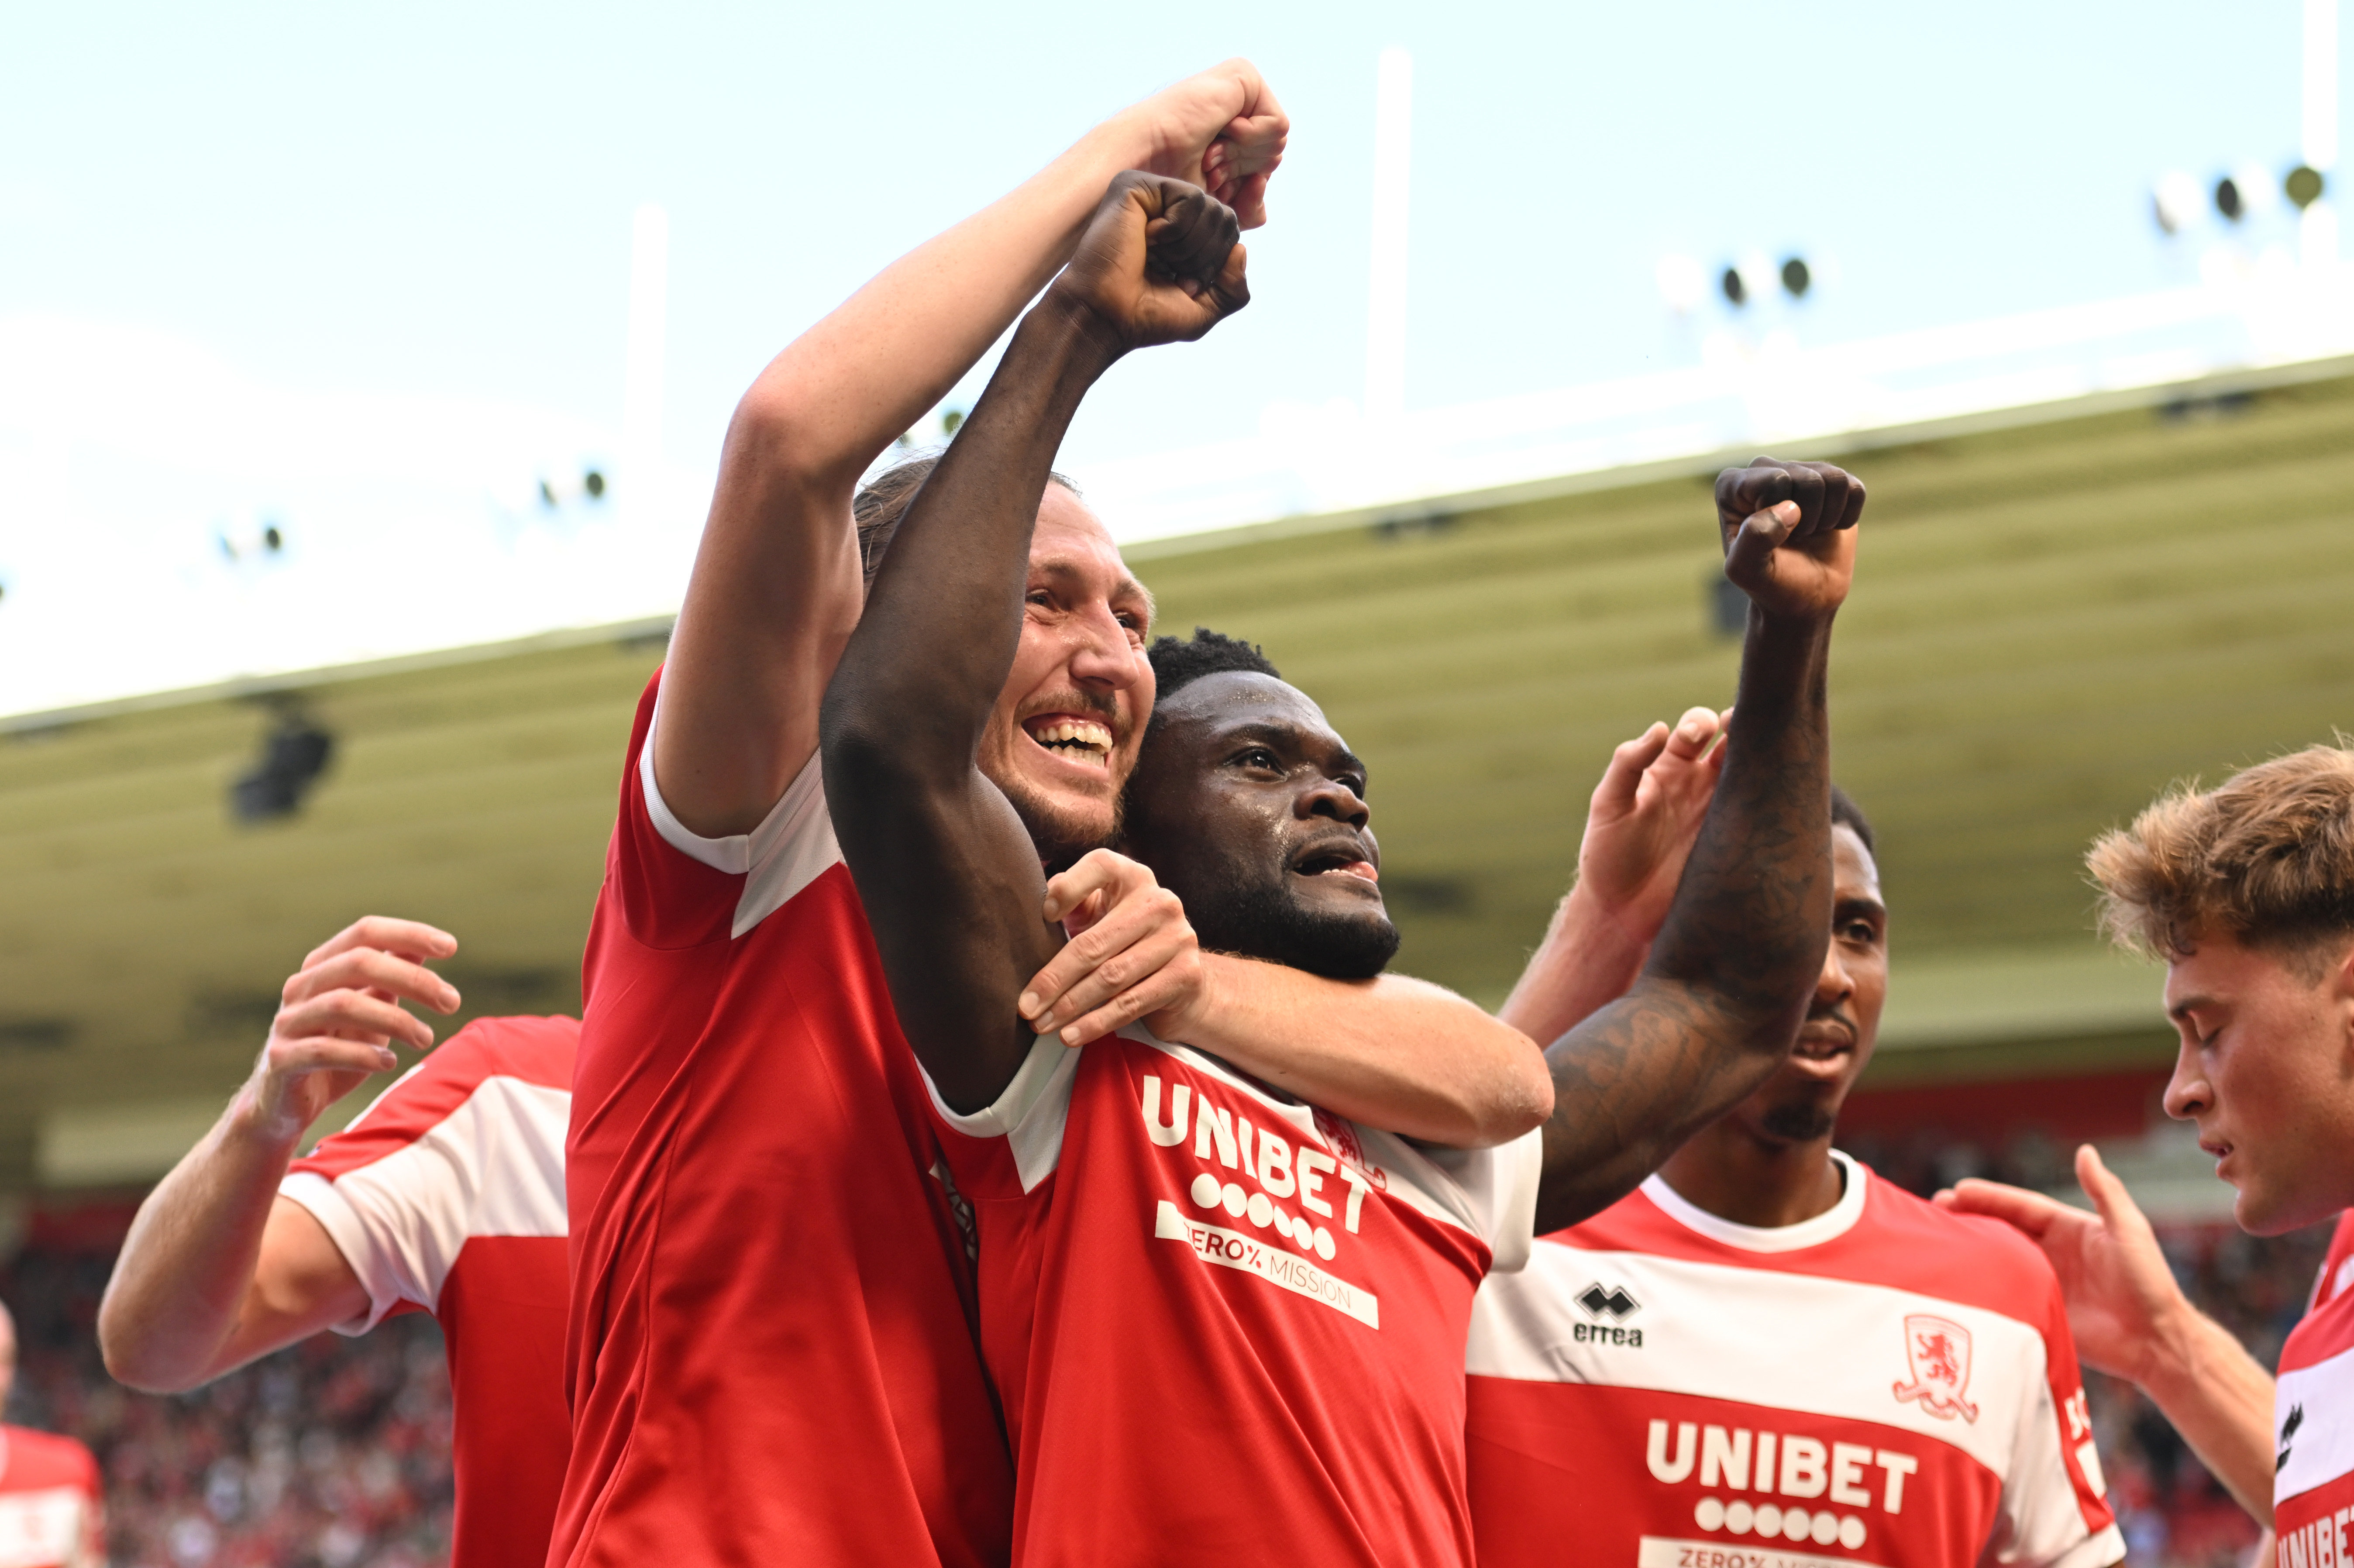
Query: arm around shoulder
pixel 1394 1053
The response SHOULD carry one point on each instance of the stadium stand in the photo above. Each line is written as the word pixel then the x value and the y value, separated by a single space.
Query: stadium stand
pixel 334 1454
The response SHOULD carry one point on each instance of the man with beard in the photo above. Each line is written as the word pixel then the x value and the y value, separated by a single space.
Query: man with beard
pixel 1766 1342
pixel 769 1349
pixel 1227 1326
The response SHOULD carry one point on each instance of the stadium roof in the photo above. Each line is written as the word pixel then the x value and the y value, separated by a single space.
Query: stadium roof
pixel 2061 608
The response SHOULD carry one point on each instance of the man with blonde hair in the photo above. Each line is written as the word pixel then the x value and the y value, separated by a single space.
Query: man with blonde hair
pixel 2247 892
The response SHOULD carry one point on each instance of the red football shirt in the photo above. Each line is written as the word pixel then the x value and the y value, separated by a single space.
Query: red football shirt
pixel 446 1194
pixel 770 1354
pixel 1228 1328
pixel 2313 1420
pixel 1886 1383
pixel 50 1515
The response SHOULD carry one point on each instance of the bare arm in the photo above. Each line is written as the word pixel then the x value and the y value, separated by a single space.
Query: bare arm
pixel 1645 815
pixel 1725 987
pixel 776 587
pixel 950 881
pixel 218 1269
pixel 2131 1321
pixel 1392 1053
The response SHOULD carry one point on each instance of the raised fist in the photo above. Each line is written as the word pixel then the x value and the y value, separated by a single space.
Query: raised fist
pixel 1158 263
pixel 1221 129
pixel 1788 530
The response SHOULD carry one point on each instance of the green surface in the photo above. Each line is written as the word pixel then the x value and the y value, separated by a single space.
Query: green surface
pixel 2050 624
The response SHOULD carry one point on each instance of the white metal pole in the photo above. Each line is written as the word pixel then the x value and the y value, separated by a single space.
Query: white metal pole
pixel 1392 158
pixel 2317 231
pixel 642 395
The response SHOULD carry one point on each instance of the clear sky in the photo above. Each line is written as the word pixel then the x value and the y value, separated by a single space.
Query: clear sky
pixel 277 246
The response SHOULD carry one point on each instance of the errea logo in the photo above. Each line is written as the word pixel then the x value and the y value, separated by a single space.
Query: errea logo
pixel 1600 1301
pixel 1614 1300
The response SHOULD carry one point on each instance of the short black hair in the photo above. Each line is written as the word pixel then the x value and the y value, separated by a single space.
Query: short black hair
pixel 883 500
pixel 1180 662
pixel 1846 813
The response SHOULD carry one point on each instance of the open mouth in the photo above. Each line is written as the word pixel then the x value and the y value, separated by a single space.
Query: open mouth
pixel 1337 860
pixel 1824 1039
pixel 1078 740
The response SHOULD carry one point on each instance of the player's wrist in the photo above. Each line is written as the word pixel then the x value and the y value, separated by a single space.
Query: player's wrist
pixel 1601 927
pixel 1201 1018
pixel 1069 338
pixel 266 1117
pixel 2178 1351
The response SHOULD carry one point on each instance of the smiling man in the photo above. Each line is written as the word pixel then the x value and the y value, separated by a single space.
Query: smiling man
pixel 1226 1322
pixel 1767 1343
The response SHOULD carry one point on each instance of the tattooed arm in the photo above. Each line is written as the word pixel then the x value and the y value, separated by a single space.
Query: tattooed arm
pixel 1726 985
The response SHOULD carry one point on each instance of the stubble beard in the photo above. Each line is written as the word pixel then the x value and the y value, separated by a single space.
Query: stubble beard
pixel 1060 833
pixel 1799 1121
pixel 1261 920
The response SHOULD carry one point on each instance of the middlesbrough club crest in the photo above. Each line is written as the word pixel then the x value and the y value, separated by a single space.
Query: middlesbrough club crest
pixel 1938 1349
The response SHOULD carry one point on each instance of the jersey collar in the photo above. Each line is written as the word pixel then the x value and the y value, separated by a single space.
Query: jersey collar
pixel 1832 1223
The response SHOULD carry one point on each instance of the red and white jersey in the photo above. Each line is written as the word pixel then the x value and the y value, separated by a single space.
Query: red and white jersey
pixel 1886 1383
pixel 446 1195
pixel 1226 1327
pixel 2313 1420
pixel 771 1353
pixel 50 1512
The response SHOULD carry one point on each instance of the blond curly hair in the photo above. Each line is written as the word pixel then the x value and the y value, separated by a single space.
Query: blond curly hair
pixel 2266 858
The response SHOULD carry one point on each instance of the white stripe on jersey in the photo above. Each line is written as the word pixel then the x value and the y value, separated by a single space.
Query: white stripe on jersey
pixel 1725 1332
pixel 2322 1448
pixel 493 1167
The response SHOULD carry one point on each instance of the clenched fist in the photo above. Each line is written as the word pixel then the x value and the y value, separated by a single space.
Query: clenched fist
pixel 1158 263
pixel 1788 530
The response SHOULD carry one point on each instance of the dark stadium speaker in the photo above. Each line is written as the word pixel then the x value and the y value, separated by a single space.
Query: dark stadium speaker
pixel 1796 277
pixel 1736 293
pixel 2304 186
pixel 293 754
pixel 2228 199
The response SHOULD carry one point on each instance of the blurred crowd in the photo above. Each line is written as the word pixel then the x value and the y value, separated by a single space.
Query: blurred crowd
pixel 334 1454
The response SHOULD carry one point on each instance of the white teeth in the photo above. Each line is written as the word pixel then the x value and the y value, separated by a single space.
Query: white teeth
pixel 1078 734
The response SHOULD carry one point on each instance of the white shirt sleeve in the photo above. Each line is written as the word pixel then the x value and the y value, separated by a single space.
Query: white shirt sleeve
pixel 364 1246
pixel 1500 1185
pixel 792 847
pixel 493 1166
pixel 1029 1115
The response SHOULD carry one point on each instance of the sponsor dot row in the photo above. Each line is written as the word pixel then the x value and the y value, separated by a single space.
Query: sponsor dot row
pixel 1261 1208
pixel 1769 1519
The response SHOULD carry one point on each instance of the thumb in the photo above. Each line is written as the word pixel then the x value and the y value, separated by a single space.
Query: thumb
pixel 1615 796
pixel 1762 533
pixel 2115 1204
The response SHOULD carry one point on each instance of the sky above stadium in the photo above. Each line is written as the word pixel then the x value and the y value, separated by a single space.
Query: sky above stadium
pixel 330 269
